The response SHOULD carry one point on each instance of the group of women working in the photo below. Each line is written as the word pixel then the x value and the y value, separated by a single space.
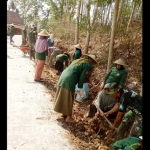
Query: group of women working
pixel 75 74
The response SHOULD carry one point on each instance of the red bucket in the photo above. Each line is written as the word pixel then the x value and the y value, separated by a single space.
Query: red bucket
pixel 24 48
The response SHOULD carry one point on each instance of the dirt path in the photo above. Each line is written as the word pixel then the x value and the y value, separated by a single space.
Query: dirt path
pixel 31 122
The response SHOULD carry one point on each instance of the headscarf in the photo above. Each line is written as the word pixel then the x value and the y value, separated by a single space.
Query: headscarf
pixel 41 44
pixel 83 60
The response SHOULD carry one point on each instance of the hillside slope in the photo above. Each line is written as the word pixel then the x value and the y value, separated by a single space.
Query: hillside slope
pixel 89 134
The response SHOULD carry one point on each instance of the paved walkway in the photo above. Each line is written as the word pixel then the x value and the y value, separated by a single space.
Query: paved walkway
pixel 31 121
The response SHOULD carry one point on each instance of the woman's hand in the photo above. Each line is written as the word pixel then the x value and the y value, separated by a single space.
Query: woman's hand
pixel 102 86
pixel 97 114
pixel 112 127
pixel 106 114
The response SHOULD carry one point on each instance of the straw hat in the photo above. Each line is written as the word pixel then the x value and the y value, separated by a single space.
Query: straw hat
pixel 92 57
pixel 120 62
pixel 43 33
pixel 78 46
pixel 12 24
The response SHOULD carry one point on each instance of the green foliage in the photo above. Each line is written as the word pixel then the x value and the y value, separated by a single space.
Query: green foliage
pixel 65 12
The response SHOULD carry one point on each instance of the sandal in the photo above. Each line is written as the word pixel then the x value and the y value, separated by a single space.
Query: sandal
pixel 38 80
pixel 64 116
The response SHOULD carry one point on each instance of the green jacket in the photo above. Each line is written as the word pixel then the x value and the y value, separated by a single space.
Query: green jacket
pixel 130 143
pixel 116 76
pixel 72 75
pixel 77 54
pixel 41 56
pixel 62 58
pixel 12 31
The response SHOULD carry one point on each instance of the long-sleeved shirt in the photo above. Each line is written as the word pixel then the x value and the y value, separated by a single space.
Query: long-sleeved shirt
pixel 116 76
pixel 132 101
pixel 76 55
pixel 72 75
pixel 62 58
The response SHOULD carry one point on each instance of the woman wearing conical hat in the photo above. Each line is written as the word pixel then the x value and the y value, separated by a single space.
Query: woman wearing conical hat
pixel 60 60
pixel 41 51
pixel 117 74
pixel 113 83
pixel 78 52
pixel 74 74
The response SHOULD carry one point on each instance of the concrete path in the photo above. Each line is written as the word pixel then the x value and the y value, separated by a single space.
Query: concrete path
pixel 31 121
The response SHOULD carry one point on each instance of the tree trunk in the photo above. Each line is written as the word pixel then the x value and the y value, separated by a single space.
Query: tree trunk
pixel 62 9
pixel 94 15
pixel 77 23
pixel 81 11
pixel 133 9
pixel 111 44
pixel 87 42
pixel 88 28
pixel 120 10
pixel 103 15
pixel 89 31
pixel 107 17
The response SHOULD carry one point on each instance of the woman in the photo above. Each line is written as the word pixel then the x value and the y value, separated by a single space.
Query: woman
pixel 106 100
pixel 60 59
pixel 116 75
pixel 41 51
pixel 75 73
pixel 78 53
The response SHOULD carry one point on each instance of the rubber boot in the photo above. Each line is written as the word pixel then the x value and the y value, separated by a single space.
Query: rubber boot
pixel 121 131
